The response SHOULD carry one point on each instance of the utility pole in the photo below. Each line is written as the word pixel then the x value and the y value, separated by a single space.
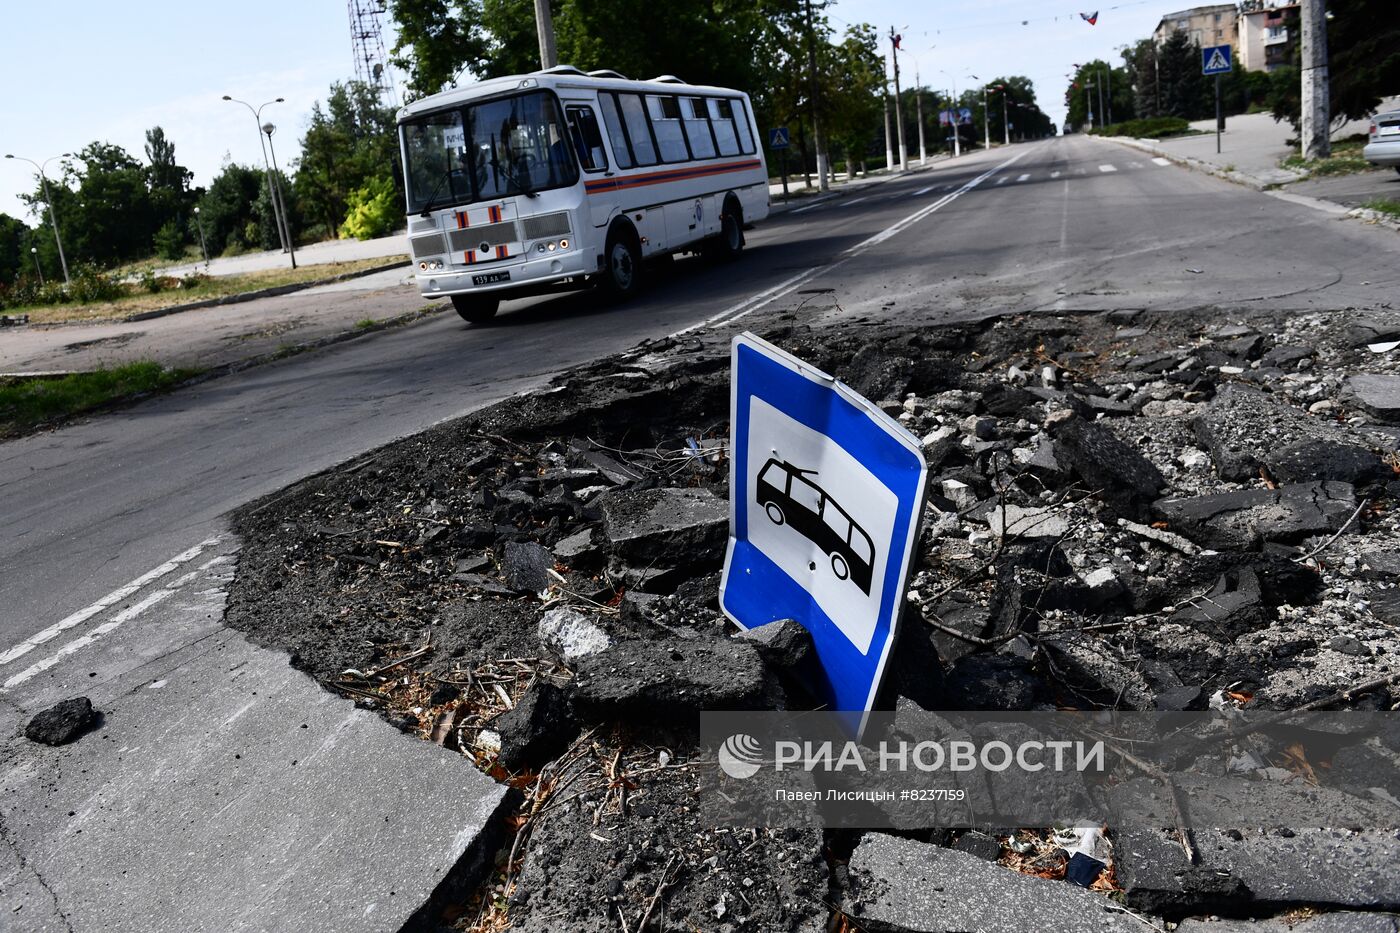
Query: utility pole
pixel 919 114
pixel 1108 79
pixel 1100 90
pixel 818 141
pixel 889 149
pixel 898 108
pixel 1317 118
pixel 1089 102
pixel 954 116
pixel 986 120
pixel 544 24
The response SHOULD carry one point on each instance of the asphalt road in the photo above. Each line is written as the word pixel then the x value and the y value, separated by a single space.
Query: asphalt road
pixel 1066 223
pixel 210 774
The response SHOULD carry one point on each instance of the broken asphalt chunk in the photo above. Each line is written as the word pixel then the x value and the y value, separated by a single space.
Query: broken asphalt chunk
pixel 1378 395
pixel 1245 518
pixel 666 525
pixel 904 885
pixel 62 723
pixel 1121 476
pixel 537 729
pixel 526 567
pixel 657 681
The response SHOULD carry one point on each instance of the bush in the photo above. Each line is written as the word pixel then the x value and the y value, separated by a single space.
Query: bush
pixel 170 240
pixel 89 284
pixel 374 210
pixel 1150 128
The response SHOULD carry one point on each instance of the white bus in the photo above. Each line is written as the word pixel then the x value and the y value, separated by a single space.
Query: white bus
pixel 556 179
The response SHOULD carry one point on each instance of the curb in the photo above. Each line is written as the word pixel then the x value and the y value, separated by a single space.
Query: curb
pixel 1366 215
pixel 272 292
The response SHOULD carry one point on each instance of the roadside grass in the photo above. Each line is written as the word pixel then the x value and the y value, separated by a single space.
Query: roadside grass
pixel 1344 160
pixel 139 296
pixel 365 323
pixel 27 403
pixel 1387 206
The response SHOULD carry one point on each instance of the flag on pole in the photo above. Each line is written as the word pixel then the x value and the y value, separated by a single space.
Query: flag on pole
pixel 897 40
pixel 1090 18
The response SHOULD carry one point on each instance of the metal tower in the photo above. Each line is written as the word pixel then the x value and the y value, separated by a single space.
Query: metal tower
pixel 367 43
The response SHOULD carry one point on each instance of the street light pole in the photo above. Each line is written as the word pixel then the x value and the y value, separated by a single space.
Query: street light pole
pixel 919 114
pixel 37 268
pixel 1089 102
pixel 202 248
pixel 986 116
pixel 818 141
pixel 48 199
pixel 257 122
pixel 1005 122
pixel 269 129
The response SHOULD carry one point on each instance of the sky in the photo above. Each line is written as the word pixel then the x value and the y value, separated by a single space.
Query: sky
pixel 108 71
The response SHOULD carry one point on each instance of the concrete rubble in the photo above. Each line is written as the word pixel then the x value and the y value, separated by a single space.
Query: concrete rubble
pixel 1126 510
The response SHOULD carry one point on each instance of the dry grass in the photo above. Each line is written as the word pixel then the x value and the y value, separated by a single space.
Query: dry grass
pixel 140 299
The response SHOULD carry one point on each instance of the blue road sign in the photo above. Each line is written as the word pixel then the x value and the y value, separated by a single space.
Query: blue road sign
pixel 1215 60
pixel 778 138
pixel 826 491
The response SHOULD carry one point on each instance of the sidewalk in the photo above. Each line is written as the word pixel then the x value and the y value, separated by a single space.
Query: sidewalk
pixel 1252 147
pixel 395 244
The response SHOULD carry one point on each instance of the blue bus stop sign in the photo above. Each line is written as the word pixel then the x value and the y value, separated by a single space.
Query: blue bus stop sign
pixel 778 138
pixel 825 495
pixel 1215 60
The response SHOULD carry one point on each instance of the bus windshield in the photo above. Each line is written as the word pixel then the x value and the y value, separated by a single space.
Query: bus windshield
pixel 493 149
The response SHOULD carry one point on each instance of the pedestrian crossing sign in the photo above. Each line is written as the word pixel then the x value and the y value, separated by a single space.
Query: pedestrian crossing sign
pixel 778 138
pixel 1215 60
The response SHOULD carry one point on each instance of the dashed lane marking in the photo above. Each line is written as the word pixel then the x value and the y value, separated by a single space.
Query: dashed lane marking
pixel 1161 161
pixel 1107 168
pixel 923 191
pixel 106 602
pixel 1025 177
pixel 785 287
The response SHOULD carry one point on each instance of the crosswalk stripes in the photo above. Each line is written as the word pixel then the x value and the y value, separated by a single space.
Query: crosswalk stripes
pixel 1025 177
pixel 1161 161
pixel 1108 168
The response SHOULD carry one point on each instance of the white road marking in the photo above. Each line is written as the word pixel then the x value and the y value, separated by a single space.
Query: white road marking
pixel 815 203
pixel 1107 168
pixel 106 602
pixel 858 200
pixel 1054 174
pixel 923 191
pixel 787 286
pixel 1002 179
pixel 1025 177
pixel 1134 165
pixel 1161 161
pixel 106 628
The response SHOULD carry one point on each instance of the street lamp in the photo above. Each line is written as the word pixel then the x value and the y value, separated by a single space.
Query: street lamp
pixel 269 129
pixel 35 253
pixel 257 122
pixel 955 115
pixel 202 248
pixel 53 218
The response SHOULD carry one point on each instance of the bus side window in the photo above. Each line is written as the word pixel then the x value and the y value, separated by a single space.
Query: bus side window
pixel 617 134
pixel 741 120
pixel 806 494
pixel 722 119
pixel 697 127
pixel 588 139
pixel 666 123
pixel 637 130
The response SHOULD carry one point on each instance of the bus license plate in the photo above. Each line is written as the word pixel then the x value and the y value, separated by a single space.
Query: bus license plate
pixel 490 277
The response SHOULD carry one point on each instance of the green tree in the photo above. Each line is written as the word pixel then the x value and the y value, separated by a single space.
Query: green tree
pixel 14 248
pixel 228 208
pixel 350 140
pixel 1363 46
pixel 171 199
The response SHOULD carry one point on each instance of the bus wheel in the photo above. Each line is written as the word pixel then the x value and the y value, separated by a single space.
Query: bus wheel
pixel 730 242
pixel 775 513
pixel 623 276
pixel 476 309
pixel 839 567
